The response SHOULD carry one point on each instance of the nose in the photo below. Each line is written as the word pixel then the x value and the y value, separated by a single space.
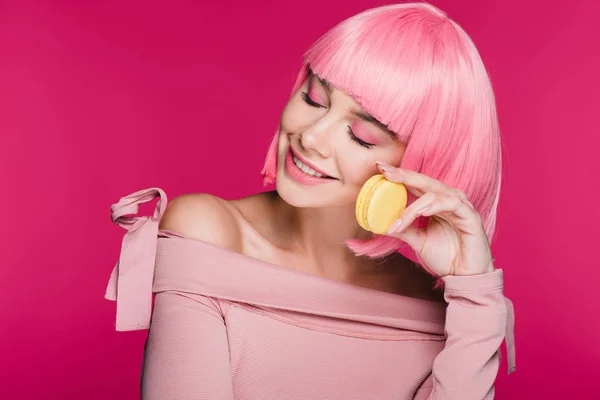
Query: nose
pixel 316 140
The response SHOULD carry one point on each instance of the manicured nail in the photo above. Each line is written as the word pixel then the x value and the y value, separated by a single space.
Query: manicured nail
pixel 383 167
pixel 395 226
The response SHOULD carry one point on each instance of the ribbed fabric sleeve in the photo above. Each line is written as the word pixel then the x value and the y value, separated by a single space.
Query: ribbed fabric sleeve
pixel 186 354
pixel 476 320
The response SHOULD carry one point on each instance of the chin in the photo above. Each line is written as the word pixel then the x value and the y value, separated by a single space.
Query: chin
pixel 298 196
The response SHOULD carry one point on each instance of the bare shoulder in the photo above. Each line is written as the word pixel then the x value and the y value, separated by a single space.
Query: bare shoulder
pixel 204 217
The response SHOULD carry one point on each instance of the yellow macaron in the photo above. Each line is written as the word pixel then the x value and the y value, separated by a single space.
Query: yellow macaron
pixel 380 203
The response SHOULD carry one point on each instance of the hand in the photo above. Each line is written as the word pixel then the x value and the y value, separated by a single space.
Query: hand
pixel 454 241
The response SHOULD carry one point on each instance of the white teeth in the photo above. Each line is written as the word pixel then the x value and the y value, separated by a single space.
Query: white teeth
pixel 306 169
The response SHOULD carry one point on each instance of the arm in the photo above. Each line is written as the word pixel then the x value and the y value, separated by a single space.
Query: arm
pixel 476 320
pixel 186 354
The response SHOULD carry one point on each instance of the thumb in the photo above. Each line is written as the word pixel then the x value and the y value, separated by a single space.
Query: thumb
pixel 413 236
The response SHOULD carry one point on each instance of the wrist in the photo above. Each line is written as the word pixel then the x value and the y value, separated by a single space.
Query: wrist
pixel 468 272
pixel 485 281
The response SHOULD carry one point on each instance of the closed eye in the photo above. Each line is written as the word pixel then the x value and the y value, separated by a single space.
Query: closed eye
pixel 310 101
pixel 351 134
pixel 358 140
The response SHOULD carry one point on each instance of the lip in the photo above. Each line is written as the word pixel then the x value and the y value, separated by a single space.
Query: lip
pixel 299 176
pixel 305 162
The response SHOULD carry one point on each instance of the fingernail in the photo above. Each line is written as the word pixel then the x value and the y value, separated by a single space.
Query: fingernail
pixel 395 226
pixel 383 167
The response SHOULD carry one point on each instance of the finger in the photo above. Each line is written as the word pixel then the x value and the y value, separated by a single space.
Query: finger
pixel 453 205
pixel 412 212
pixel 467 202
pixel 414 191
pixel 413 236
pixel 416 180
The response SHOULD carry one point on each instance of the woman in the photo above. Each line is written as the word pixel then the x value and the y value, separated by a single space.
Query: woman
pixel 281 295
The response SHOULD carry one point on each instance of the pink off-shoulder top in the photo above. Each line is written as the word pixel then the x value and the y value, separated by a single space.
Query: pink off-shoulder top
pixel 228 326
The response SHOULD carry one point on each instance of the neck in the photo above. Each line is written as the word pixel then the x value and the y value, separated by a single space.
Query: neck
pixel 319 235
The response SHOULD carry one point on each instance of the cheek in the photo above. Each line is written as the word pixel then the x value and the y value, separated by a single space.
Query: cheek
pixel 395 155
pixel 294 115
pixel 286 115
pixel 356 165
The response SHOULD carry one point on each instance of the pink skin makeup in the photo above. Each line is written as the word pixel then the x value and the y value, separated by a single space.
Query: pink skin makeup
pixel 362 131
pixel 314 94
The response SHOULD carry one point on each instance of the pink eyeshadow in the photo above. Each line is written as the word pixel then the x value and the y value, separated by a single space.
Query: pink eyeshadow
pixel 312 93
pixel 363 133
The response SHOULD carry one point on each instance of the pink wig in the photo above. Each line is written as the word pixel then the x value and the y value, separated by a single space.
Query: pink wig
pixel 417 71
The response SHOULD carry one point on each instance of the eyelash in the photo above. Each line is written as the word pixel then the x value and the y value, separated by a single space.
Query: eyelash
pixel 351 134
pixel 358 141
pixel 310 101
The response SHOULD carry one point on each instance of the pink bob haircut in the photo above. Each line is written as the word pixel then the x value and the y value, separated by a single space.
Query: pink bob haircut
pixel 418 72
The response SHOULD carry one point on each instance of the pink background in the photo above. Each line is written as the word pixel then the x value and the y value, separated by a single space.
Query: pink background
pixel 98 101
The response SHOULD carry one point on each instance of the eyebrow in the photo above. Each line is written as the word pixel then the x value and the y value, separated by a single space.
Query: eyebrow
pixel 369 118
pixel 324 82
pixel 360 114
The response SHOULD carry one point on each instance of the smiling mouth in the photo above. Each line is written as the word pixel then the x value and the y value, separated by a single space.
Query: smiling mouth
pixel 308 170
